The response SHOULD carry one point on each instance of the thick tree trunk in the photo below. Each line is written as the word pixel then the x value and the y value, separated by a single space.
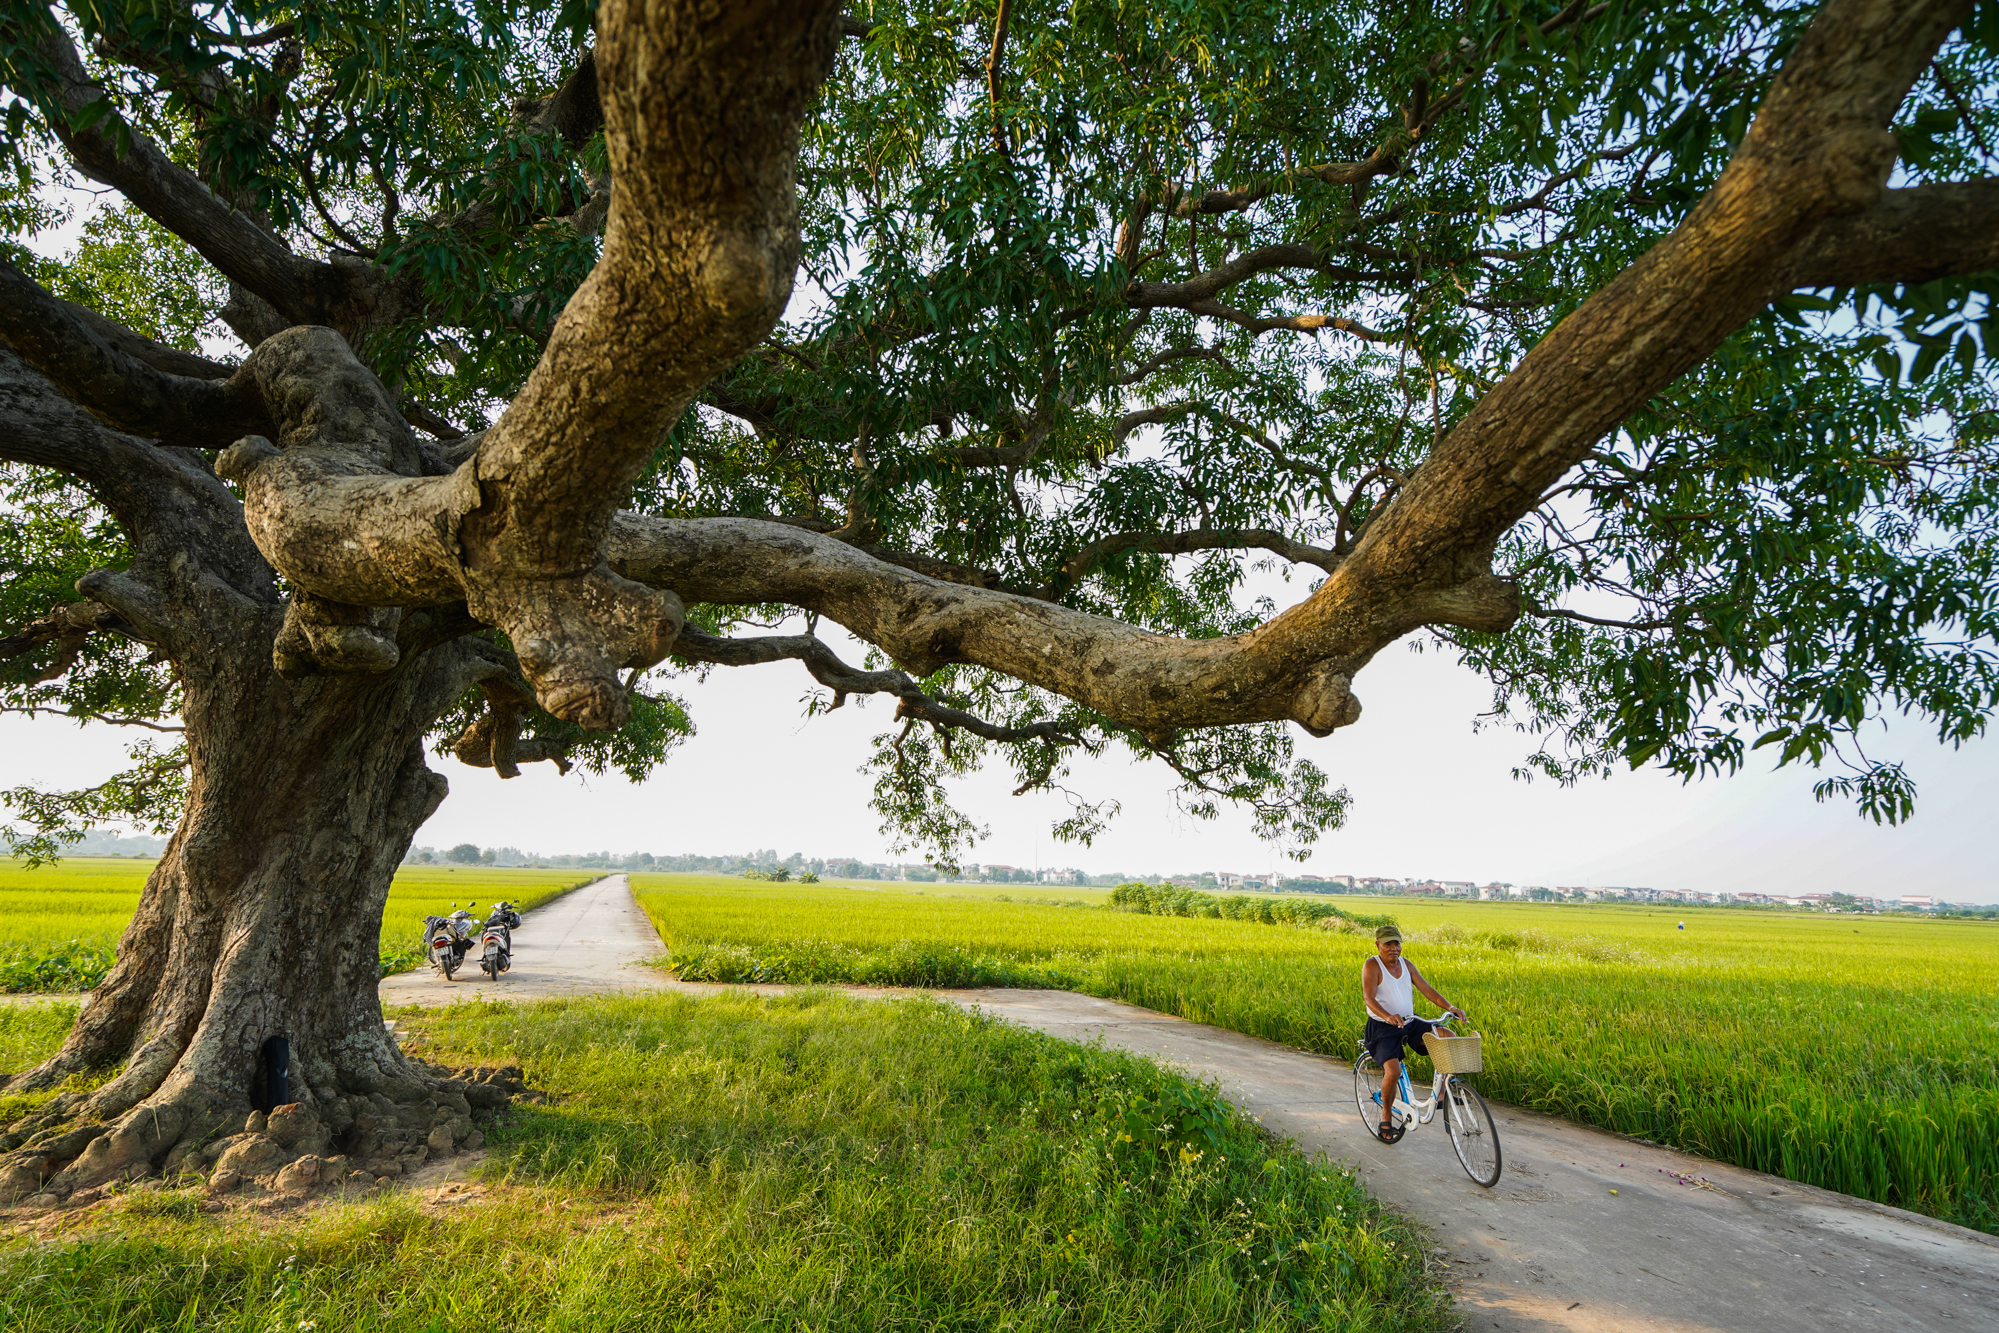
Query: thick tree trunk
pixel 262 919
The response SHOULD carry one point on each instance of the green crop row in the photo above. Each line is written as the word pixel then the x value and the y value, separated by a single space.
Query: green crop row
pixel 60 924
pixel 1171 900
pixel 1858 1054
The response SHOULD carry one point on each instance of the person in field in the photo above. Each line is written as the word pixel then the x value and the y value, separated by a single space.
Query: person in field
pixel 1388 983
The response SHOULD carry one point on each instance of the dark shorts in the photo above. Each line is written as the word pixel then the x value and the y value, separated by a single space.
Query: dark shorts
pixel 1385 1041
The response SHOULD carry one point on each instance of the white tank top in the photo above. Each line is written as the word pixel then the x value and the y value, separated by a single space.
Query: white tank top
pixel 1394 995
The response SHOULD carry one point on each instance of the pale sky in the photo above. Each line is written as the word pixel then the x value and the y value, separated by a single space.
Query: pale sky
pixel 1430 799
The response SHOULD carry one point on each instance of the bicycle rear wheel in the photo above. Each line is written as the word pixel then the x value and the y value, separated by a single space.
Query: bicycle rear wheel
pixel 1474 1137
pixel 1367 1099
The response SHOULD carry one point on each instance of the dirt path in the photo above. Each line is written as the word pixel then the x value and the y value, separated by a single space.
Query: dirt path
pixel 1684 1245
pixel 586 942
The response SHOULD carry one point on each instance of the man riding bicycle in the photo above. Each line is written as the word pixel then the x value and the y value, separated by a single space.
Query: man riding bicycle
pixel 1388 983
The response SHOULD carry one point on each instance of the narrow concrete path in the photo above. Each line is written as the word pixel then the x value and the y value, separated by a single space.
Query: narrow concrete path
pixel 1684 1245
pixel 25 999
pixel 587 942
pixel 1551 1247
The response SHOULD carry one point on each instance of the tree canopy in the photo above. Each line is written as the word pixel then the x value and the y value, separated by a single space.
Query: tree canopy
pixel 1655 388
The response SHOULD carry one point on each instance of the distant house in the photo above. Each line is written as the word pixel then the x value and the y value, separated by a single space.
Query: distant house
pixel 1921 902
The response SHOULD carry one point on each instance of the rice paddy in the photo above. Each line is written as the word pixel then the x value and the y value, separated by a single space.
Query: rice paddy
pixel 59 924
pixel 1856 1053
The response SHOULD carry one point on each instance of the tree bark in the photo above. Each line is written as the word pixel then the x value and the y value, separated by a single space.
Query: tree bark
pixel 262 919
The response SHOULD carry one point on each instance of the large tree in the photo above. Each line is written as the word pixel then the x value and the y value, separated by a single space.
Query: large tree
pixel 1631 352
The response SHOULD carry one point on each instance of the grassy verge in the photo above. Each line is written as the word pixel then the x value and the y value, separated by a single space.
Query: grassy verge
pixel 29 1034
pixel 1859 1054
pixel 60 924
pixel 807 1163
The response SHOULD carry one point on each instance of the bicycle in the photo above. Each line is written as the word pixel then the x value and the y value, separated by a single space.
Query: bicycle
pixel 1474 1136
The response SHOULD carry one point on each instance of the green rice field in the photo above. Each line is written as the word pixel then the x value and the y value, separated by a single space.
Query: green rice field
pixel 1856 1053
pixel 60 923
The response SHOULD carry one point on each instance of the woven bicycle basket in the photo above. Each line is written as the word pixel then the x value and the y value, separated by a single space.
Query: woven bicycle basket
pixel 1454 1055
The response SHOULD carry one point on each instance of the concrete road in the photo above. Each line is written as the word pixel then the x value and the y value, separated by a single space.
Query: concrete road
pixel 586 942
pixel 1685 1245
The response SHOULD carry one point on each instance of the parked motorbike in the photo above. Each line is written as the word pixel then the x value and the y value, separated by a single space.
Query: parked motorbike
pixel 447 939
pixel 498 938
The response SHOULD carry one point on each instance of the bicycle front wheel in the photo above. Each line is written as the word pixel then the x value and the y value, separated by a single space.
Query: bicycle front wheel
pixel 1474 1137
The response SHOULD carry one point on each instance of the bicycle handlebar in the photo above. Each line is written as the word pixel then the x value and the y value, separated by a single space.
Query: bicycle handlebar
pixel 1449 1015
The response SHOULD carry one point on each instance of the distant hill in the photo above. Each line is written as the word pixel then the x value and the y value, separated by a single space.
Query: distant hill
pixel 109 842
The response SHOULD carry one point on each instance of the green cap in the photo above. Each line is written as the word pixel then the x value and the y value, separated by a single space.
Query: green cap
pixel 1383 934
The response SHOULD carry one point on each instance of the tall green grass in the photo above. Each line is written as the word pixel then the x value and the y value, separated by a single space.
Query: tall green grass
pixel 809 1163
pixel 30 1033
pixel 1859 1054
pixel 60 924
pixel 1268 909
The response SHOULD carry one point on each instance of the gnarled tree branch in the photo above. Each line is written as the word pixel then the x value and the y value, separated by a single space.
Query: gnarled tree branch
pixel 118 385
pixel 1262 324
pixel 827 668
pixel 1913 235
pixel 702 112
pixel 1297 666
pixel 1082 564
pixel 306 291
pixel 67 627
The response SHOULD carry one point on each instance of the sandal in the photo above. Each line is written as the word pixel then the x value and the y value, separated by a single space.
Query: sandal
pixel 1387 1132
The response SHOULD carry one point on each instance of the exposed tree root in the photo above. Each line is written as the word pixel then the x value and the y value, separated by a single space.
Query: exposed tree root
pixel 64 1156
